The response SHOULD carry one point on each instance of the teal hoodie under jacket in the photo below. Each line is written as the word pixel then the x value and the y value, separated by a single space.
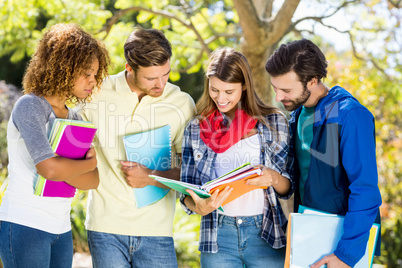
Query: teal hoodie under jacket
pixel 342 177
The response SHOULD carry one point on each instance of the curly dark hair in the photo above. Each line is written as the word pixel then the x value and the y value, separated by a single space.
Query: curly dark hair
pixel 65 52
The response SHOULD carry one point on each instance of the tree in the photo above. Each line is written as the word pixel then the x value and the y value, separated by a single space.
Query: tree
pixel 196 28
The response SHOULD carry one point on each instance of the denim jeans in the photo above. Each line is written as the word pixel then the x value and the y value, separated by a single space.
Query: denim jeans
pixel 120 251
pixel 240 245
pixel 23 246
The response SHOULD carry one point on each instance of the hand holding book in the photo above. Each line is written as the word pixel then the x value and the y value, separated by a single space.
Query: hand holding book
pixel 90 153
pixel 151 149
pixel 235 179
pixel 204 206
pixel 313 234
pixel 135 174
pixel 68 139
pixel 270 177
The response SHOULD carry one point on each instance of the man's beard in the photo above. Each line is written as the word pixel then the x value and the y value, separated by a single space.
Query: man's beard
pixel 299 101
pixel 147 91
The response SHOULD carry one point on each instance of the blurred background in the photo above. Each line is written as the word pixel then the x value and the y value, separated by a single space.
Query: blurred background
pixel 362 40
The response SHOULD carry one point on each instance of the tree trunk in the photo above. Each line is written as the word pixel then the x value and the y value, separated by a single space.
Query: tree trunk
pixel 257 62
pixel 261 33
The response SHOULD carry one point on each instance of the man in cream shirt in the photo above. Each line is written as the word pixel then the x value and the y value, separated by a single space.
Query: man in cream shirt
pixel 136 100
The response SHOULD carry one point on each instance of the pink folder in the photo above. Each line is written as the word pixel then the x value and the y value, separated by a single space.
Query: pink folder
pixel 74 142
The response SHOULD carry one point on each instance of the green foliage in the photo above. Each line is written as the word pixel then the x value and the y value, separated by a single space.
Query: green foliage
pixel 78 214
pixel 23 22
pixel 8 96
pixel 392 239
pixel 12 72
pixel 115 44
pixel 186 231
pixel 377 32
pixel 193 84
pixel 3 144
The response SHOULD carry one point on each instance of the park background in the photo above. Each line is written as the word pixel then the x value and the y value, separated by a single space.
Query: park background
pixel 362 40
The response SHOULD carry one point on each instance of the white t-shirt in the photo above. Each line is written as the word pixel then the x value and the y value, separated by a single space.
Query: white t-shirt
pixel 116 112
pixel 28 145
pixel 246 150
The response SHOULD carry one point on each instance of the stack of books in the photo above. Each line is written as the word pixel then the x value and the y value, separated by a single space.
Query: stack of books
pixel 235 179
pixel 70 139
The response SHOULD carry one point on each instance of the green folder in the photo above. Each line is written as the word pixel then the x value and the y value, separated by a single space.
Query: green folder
pixel 181 187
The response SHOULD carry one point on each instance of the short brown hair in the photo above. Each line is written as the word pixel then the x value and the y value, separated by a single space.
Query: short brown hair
pixel 147 47
pixel 65 52
pixel 301 56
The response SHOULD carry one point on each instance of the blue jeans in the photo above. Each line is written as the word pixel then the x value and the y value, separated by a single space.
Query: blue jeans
pixel 23 246
pixel 240 245
pixel 120 251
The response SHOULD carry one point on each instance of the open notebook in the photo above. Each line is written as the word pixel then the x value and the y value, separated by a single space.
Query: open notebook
pixel 235 179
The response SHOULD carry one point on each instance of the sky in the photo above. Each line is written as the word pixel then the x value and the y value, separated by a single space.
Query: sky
pixel 340 41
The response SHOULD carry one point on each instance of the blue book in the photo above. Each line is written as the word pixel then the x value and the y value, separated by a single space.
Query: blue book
pixel 152 149
pixel 314 234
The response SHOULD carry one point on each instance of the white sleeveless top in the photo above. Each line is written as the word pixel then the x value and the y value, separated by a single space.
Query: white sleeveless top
pixel 246 150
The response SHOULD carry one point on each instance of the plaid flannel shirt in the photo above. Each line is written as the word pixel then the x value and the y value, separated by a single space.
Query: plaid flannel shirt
pixel 198 161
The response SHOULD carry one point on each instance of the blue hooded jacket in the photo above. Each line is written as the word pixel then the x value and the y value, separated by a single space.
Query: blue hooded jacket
pixel 342 177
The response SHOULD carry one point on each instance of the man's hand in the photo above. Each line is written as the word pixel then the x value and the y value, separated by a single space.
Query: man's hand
pixel 332 261
pixel 136 175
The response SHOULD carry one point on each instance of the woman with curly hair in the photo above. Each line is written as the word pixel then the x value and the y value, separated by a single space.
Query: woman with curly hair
pixel 35 231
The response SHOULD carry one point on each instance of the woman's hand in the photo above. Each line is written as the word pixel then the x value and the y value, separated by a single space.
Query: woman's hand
pixel 267 178
pixel 205 206
pixel 91 155
pixel 270 177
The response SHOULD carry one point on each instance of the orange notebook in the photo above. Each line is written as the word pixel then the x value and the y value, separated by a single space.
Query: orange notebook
pixel 239 188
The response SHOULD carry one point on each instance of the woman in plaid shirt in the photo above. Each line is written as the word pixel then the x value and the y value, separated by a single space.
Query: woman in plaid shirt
pixel 233 126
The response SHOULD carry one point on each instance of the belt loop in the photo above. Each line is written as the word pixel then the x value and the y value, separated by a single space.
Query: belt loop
pixel 220 219
pixel 257 221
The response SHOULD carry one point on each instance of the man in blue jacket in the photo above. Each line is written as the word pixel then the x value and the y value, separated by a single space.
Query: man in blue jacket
pixel 334 146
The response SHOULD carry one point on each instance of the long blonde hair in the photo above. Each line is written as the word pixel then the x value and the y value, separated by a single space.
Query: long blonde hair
pixel 231 66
